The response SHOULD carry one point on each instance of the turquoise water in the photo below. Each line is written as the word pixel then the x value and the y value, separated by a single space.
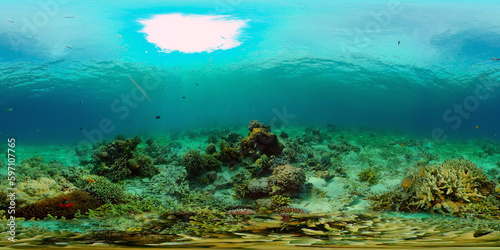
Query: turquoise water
pixel 324 61
pixel 371 102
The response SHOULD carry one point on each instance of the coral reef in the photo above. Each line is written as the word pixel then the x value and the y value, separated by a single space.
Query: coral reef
pixel 280 200
pixel 64 205
pixel 100 187
pixel 291 210
pixel 369 175
pixel 287 180
pixel 452 187
pixel 228 155
pixel 241 211
pixel 154 149
pixel 233 138
pixel 258 187
pixel 260 141
pixel 197 164
pixel 255 124
pixel 30 191
pixel 240 183
pixel 118 160
pixel 210 149
pixel 170 182
pixel 343 147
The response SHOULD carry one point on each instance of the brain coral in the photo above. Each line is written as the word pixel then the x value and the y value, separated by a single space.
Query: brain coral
pixel 288 178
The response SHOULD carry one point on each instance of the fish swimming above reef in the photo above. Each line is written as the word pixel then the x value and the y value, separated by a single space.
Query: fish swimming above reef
pixel 9 109
pixel 495 59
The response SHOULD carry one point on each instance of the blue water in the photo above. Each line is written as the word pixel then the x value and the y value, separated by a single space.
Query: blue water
pixel 65 67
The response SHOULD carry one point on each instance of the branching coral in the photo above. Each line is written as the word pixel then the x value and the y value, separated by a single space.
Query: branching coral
pixel 369 175
pixel 446 188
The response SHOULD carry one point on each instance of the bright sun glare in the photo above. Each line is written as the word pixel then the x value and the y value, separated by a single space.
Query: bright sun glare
pixel 192 33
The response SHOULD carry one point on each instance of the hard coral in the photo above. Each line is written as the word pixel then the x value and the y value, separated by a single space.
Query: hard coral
pixel 241 211
pixel 260 141
pixel 289 179
pixel 258 187
pixel 117 160
pixel 197 164
pixel 369 175
pixel 446 188
pixel 30 191
pixel 228 155
pixel 255 124
pixel 101 188
pixel 65 205
pixel 292 210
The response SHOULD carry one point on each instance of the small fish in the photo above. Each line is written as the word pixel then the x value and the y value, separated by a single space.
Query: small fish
pixel 81 129
pixel 137 166
pixel 81 102
pixel 38 130
pixel 69 47
pixel 406 181
pixel 90 180
pixel 158 117
pixel 119 35
pixel 8 20
pixel 495 59
pixel 197 84
pixel 401 144
pixel 9 110
pixel 477 127
pixel 399 42
pixel 183 97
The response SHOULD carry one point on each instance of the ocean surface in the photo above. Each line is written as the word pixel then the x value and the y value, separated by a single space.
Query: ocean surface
pixel 403 77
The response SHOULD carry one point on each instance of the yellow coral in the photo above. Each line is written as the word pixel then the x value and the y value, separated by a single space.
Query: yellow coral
pixel 134 229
